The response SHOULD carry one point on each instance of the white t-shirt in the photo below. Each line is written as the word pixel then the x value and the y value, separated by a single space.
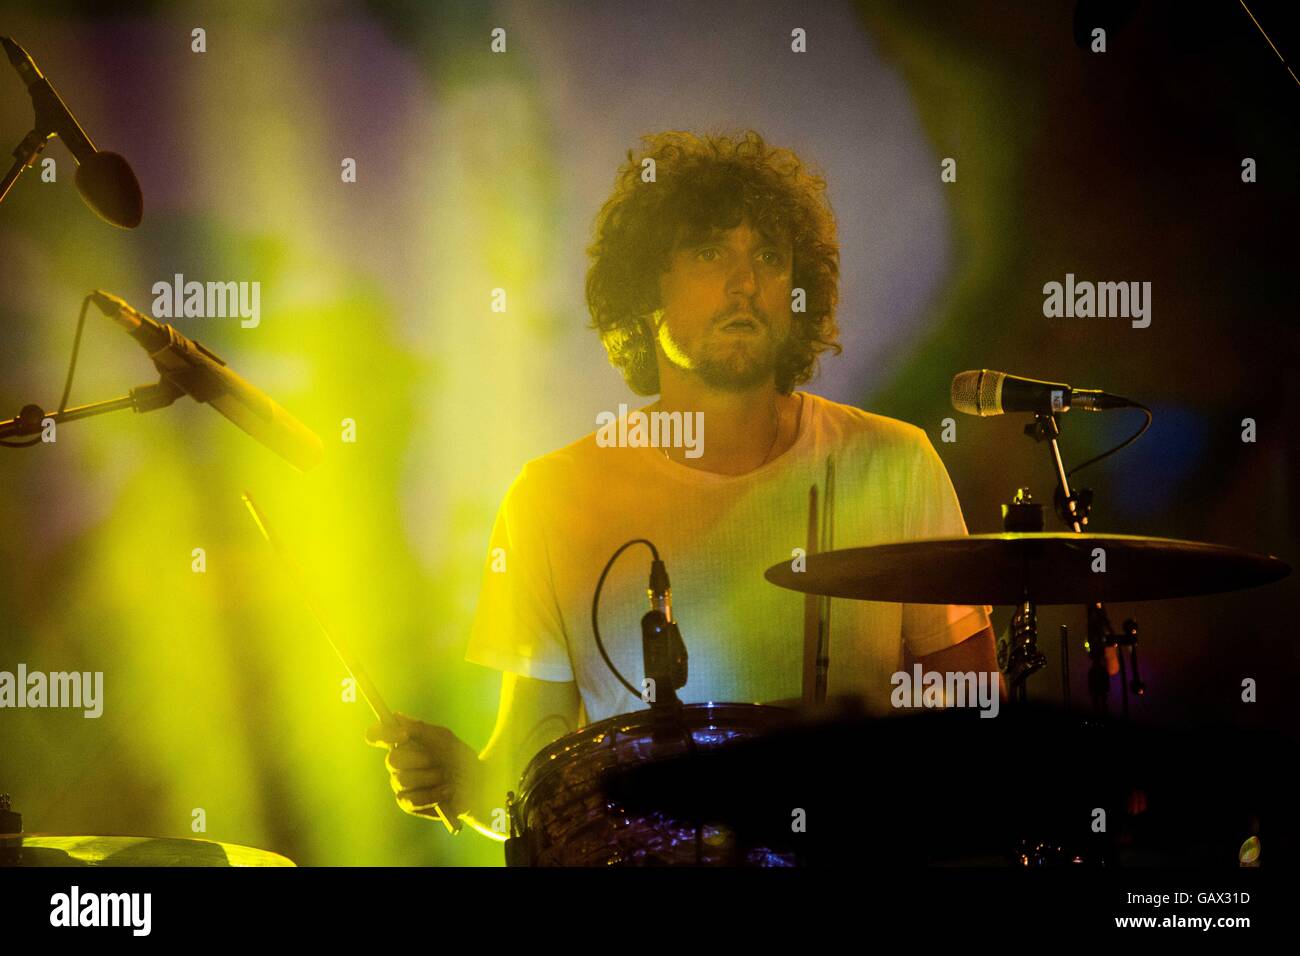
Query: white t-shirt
pixel 568 511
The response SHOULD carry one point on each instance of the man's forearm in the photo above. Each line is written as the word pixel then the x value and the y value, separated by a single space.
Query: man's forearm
pixel 977 653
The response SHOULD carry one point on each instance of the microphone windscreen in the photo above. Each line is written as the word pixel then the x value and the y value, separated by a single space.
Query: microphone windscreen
pixel 978 393
pixel 110 189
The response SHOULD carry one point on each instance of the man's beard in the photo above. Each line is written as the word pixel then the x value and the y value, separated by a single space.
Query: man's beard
pixel 730 369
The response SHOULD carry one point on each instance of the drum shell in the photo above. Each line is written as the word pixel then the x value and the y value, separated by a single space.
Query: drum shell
pixel 564 817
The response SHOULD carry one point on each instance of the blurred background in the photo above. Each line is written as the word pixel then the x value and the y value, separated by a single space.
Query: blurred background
pixel 477 171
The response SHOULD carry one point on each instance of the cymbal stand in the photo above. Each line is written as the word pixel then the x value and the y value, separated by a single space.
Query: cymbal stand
pixel 1103 645
pixel 1106 648
pixel 1018 654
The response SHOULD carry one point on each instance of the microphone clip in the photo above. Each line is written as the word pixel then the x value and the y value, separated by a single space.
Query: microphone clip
pixel 1075 507
pixel 664 654
pixel 1044 427
pixel 187 365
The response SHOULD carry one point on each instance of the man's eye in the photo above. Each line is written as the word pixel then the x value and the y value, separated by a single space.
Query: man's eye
pixel 707 252
pixel 774 257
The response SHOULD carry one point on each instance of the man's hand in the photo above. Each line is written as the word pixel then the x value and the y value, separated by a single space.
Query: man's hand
pixel 429 767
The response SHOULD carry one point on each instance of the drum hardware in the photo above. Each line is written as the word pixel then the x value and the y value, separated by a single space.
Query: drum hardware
pixel 1018 655
pixel 1105 648
pixel 1022 658
pixel 664 654
pixel 1025 567
pixel 1129 640
pixel 10 822
pixel 515 848
pixel 1071 507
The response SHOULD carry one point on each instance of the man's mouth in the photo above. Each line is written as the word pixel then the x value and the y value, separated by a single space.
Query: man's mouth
pixel 742 324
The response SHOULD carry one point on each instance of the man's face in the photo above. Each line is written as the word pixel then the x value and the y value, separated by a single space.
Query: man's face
pixel 725 307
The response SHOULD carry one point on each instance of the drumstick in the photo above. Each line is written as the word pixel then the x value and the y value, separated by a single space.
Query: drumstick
pixel 824 609
pixel 811 609
pixel 341 647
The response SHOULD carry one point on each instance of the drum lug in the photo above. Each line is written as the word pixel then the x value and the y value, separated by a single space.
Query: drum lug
pixel 516 849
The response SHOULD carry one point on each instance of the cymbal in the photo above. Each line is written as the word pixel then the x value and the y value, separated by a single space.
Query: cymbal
pixel 1051 568
pixel 57 849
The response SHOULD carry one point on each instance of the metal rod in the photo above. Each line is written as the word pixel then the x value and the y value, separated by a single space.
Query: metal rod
pixel 14 426
pixel 1065 486
pixel 24 155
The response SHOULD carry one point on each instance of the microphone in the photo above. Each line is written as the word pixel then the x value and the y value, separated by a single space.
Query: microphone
pixel 105 180
pixel 987 393
pixel 202 374
pixel 663 652
pixel 660 590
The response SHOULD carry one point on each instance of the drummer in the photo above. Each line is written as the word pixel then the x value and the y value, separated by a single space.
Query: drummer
pixel 713 285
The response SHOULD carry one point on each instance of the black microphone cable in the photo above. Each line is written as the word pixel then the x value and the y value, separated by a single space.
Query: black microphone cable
pixel 1122 445
pixel 595 605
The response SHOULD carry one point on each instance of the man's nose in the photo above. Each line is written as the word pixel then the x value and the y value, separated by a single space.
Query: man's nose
pixel 743 277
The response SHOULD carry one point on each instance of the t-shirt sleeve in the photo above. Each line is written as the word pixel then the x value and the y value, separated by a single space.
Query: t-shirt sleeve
pixel 934 512
pixel 518 626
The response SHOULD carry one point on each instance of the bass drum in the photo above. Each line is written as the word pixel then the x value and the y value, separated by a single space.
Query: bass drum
pixel 563 815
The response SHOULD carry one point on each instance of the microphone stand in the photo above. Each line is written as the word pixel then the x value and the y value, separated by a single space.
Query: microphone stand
pixel 143 398
pixel 24 155
pixel 1074 508
pixel 1019 656
pixel 34 142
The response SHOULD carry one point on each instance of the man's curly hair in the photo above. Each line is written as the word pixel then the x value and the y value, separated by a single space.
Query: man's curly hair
pixel 704 183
